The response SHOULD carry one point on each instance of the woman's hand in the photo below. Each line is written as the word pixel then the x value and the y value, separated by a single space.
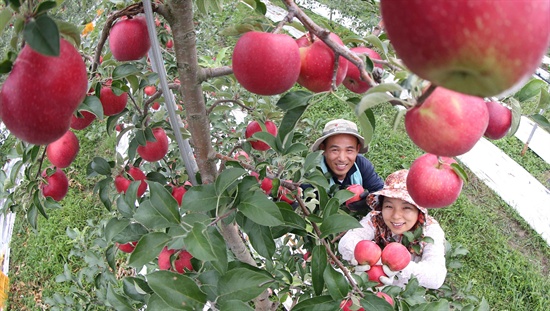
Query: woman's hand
pixel 390 275
pixel 359 269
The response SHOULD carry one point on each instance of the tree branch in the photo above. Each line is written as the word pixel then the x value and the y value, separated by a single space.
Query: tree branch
pixel 323 34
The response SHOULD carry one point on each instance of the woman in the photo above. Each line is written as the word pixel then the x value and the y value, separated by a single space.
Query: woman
pixel 394 212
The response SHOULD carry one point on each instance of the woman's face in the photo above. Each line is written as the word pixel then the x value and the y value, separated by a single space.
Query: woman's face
pixel 400 216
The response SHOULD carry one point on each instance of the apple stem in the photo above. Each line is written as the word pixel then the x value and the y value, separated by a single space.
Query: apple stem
pixel 135 104
pixel 440 163
pixel 425 95
pixel 40 163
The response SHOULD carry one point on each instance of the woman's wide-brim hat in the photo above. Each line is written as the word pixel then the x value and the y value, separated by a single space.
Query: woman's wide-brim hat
pixel 340 126
pixel 394 187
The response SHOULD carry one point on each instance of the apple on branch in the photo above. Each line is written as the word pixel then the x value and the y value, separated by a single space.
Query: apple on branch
pixel 122 183
pixel 482 48
pixel 54 185
pixel 80 123
pixel 111 102
pixel 129 39
pixel 500 120
pixel 353 81
pixel 254 127
pixel 63 151
pixel 36 103
pixel 448 123
pixel 317 64
pixel 432 182
pixel 154 150
pixel 266 63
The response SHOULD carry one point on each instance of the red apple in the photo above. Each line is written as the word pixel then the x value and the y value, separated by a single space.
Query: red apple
pixel 254 127
pixel 181 263
pixel 358 190
pixel 447 123
pixel 346 304
pixel 122 183
pixel 63 151
pixel 149 90
pixel 127 247
pixel 375 272
pixel 169 44
pixel 286 195
pixel 81 123
pixel 155 106
pixel 353 81
pixel 55 185
pixel 154 150
pixel 396 256
pixel 112 103
pixel 178 192
pixel 266 185
pixel 433 184
pixel 500 120
pixel 462 45
pixel 266 63
pixel 317 65
pixel 129 39
pixel 386 297
pixel 41 93
pixel 119 127
pixel 367 252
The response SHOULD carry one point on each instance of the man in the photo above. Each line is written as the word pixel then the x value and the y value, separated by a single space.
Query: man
pixel 342 144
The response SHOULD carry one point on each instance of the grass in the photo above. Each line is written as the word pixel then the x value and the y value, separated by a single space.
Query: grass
pixel 37 257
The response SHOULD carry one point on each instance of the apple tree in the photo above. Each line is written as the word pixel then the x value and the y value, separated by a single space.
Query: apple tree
pixel 187 209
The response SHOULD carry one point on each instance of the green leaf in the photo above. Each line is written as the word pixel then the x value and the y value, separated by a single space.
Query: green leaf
pixel 5 66
pixel 371 100
pixel 160 211
pixel 101 166
pixel 110 255
pixel 114 226
pixel 376 42
pixel 132 232
pixel 320 303
pixel 292 100
pixel 202 198
pixel 118 301
pixel 338 223
pixel 267 138
pixel 460 172
pixel 235 304
pixel 125 70
pixel 243 284
pixel 38 204
pixel 136 288
pixel 260 209
pixel 207 244
pixel 530 90
pixel 544 100
pixel 44 7
pixel 155 303
pixel 261 7
pixel 385 87
pixel 483 305
pixel 177 290
pixel 69 30
pixel 332 207
pixel 5 17
pixel 318 266
pixel 32 216
pixel 541 121
pixel 336 283
pixel 516 116
pixel 312 160
pixel 294 104
pixel 42 35
pixel 260 238
pixel 227 178
pixel 440 305
pixel 372 302
pixel 148 248
pixel 93 105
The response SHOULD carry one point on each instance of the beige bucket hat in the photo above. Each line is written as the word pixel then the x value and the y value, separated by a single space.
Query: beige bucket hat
pixel 394 187
pixel 340 126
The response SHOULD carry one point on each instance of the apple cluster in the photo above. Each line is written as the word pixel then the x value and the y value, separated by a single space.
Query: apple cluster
pixel 394 255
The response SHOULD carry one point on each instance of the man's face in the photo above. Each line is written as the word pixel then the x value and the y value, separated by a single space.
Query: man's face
pixel 340 153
